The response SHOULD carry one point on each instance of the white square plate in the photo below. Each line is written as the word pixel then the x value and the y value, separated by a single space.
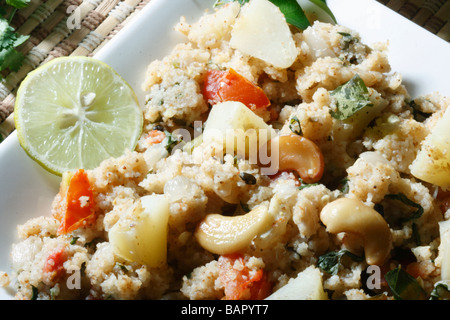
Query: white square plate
pixel 27 190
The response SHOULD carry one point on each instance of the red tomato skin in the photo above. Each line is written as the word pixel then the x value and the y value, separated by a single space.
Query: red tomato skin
pixel 220 86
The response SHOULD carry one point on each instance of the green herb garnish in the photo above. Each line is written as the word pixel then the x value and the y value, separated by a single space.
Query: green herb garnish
pixel 304 185
pixel 74 240
pixel 401 197
pixel 322 4
pixel 440 291
pixel 170 141
pixel 344 187
pixel 293 12
pixel 347 40
pixel 294 125
pixel 418 115
pixel 403 285
pixel 10 58
pixel 35 292
pixel 331 261
pixel 350 98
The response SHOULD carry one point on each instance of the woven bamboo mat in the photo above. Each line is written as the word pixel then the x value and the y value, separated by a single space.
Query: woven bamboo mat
pixel 48 22
pixel 61 28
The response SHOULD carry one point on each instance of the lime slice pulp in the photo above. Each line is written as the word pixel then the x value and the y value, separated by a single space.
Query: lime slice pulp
pixel 75 112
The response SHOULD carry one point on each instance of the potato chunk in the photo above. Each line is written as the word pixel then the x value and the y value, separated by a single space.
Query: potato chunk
pixel 432 163
pixel 238 128
pixel 261 31
pixel 141 236
pixel 306 286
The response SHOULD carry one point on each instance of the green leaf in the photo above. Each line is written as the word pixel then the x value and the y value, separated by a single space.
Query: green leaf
pixel 7 34
pixel 440 291
pixel 295 126
pixel 350 98
pixel 322 4
pixel 35 293
pixel 170 141
pixel 404 286
pixel 330 261
pixel 11 59
pixel 20 39
pixel 304 185
pixel 401 197
pixel 19 4
pixel 293 12
pixel 418 115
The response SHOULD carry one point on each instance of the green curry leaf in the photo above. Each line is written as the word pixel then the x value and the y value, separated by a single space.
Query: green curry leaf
pixel 402 198
pixel 350 98
pixel 404 286
pixel 293 12
pixel 322 4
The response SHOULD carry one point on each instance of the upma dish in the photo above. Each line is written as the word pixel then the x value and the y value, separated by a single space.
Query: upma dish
pixel 274 163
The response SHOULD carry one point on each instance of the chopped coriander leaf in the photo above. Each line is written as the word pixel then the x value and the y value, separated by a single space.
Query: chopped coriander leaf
pixel 344 187
pixel 404 286
pixel 304 185
pixel 294 125
pixel 331 261
pixel 18 4
pixel 35 292
pixel 122 267
pixel 347 40
pixel 74 240
pixel 170 141
pixel 10 58
pixel 350 98
pixel 418 115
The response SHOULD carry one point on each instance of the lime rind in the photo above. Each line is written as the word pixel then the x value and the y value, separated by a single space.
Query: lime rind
pixel 75 112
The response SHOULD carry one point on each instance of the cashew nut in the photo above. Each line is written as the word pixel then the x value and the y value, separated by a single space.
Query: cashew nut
pixel 300 154
pixel 353 216
pixel 228 234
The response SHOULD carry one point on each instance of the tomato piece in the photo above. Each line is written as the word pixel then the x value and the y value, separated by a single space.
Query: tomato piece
pixel 77 206
pixel 229 85
pixel 155 137
pixel 242 283
pixel 211 86
pixel 54 262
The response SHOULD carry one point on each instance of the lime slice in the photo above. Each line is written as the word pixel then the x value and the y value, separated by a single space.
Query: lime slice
pixel 75 112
